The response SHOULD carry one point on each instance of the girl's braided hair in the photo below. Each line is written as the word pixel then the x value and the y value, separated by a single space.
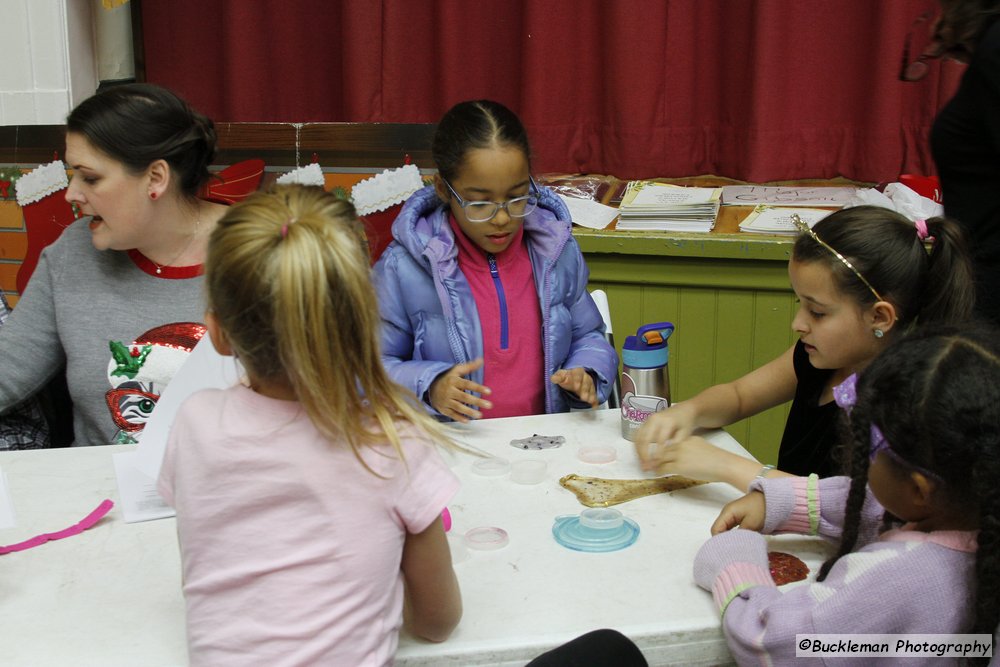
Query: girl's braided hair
pixel 935 395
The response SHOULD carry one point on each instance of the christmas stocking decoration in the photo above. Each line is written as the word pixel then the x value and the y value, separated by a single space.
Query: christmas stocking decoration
pixel 310 174
pixel 379 199
pixel 46 212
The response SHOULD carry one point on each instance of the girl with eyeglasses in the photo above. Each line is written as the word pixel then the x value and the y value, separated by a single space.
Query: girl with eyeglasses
pixel 917 517
pixel 862 275
pixel 483 292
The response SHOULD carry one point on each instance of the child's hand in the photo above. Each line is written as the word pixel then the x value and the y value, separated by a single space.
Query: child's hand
pixel 577 381
pixel 450 393
pixel 693 457
pixel 665 428
pixel 746 512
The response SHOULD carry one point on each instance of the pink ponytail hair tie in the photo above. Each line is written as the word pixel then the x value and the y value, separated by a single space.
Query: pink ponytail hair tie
pixel 921 226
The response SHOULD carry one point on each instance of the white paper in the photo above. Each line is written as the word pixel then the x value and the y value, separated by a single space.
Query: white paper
pixel 899 198
pixel 749 195
pixel 7 519
pixel 666 196
pixel 204 369
pixel 589 213
pixel 140 500
pixel 778 220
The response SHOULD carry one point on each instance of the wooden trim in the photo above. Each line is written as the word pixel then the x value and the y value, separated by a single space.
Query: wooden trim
pixel 280 145
pixel 30 145
pixel 378 145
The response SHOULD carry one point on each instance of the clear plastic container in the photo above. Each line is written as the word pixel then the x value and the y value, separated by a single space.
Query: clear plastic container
pixel 530 471
pixel 597 454
pixel 595 530
pixel 493 466
pixel 486 538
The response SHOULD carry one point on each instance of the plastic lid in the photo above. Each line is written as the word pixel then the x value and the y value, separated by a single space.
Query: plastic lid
pixel 491 467
pixel 597 454
pixel 649 337
pixel 486 538
pixel 595 530
pixel 530 471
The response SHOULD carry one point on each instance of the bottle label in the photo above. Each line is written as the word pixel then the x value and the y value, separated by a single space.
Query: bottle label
pixel 636 408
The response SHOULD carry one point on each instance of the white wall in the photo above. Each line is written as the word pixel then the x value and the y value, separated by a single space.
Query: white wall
pixel 56 53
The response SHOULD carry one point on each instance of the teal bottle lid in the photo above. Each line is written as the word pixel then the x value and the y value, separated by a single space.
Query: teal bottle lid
pixel 595 530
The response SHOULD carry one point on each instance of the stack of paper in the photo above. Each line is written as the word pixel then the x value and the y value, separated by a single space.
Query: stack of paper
pixel 776 220
pixel 648 205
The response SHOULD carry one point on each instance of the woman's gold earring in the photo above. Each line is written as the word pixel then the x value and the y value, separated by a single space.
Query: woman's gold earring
pixel 879 333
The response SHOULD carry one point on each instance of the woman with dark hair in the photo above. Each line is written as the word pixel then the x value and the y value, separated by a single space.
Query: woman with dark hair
pixel 118 298
pixel 965 139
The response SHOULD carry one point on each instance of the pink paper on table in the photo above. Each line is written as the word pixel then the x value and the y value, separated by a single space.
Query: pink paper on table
pixel 76 529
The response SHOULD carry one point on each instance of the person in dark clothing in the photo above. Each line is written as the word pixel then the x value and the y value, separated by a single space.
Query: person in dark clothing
pixel 965 139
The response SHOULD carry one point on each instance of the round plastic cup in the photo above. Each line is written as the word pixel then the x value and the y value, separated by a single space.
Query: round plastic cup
pixel 601 518
pixel 486 538
pixel 491 467
pixel 595 530
pixel 597 454
pixel 459 552
pixel 531 471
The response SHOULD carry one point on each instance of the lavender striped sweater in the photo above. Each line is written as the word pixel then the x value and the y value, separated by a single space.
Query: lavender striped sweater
pixel 898 582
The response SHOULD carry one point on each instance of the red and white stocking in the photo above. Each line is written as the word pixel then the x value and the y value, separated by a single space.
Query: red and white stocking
pixel 46 212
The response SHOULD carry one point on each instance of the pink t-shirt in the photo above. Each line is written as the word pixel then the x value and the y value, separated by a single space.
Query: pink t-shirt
pixel 290 548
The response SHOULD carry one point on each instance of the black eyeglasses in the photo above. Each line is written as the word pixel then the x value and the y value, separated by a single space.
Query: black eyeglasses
pixel 484 211
pixel 915 70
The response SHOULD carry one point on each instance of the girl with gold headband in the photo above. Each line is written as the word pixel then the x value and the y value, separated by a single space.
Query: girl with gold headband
pixel 862 276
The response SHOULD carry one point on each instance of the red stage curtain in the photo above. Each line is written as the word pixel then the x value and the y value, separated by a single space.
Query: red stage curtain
pixel 754 90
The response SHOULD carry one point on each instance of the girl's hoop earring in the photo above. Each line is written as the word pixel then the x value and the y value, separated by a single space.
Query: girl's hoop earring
pixel 878 333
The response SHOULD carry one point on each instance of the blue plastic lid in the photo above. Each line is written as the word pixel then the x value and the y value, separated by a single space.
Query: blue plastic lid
pixel 648 347
pixel 650 337
pixel 595 530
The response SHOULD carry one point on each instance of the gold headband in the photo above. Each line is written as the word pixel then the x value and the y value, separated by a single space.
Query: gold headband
pixel 805 229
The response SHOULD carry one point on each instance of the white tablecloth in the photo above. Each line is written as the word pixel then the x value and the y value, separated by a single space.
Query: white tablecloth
pixel 112 595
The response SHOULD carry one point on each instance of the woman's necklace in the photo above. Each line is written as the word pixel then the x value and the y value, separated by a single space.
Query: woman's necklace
pixel 194 235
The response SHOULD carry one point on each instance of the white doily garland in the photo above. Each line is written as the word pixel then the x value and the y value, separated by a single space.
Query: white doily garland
pixel 41 182
pixel 386 189
pixel 311 174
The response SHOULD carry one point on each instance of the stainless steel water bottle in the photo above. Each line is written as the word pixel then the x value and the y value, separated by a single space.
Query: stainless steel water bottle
pixel 645 379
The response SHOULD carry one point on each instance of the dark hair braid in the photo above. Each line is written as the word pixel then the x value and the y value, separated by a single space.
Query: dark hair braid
pixel 857 467
pixel 936 397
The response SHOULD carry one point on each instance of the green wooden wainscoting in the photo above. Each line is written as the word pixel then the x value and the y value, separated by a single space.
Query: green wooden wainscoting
pixel 728 296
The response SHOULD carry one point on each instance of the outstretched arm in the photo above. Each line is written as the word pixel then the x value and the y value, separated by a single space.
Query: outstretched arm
pixel 772 384
pixel 697 458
